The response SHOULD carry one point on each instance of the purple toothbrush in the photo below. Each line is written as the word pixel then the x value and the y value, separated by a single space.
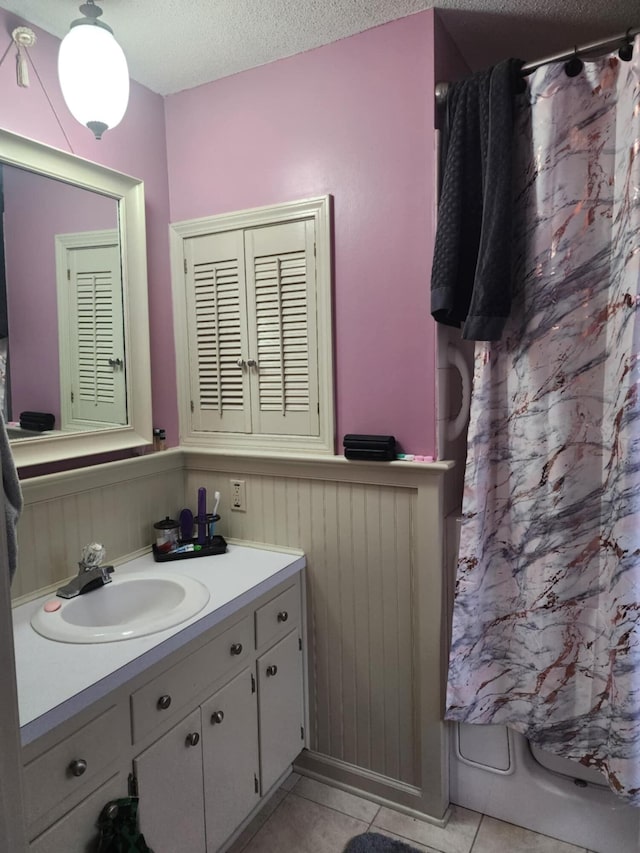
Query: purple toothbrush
pixel 202 516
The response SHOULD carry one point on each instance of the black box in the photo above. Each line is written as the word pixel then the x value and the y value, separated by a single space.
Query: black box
pixel 380 448
pixel 37 421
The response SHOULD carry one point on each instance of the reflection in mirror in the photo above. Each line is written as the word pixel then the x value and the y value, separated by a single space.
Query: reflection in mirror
pixel 61 326
pixel 74 327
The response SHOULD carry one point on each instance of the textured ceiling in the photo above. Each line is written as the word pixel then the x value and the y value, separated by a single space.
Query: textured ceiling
pixel 177 44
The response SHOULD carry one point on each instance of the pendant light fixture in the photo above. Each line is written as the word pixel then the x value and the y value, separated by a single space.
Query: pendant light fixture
pixel 93 72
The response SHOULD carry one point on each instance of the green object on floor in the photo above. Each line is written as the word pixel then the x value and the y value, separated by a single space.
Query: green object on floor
pixel 373 842
pixel 119 831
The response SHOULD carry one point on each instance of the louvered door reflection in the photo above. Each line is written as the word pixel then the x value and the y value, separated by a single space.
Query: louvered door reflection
pixel 216 311
pixel 281 301
pixel 98 389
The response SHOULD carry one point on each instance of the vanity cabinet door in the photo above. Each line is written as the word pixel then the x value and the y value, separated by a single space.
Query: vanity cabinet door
pixel 169 776
pixel 281 713
pixel 230 757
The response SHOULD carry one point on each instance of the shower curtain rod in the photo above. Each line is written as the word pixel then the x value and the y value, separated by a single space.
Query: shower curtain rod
pixel 528 68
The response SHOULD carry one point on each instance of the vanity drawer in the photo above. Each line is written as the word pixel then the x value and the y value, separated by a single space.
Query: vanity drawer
pixel 71 766
pixel 278 616
pixel 77 831
pixel 176 689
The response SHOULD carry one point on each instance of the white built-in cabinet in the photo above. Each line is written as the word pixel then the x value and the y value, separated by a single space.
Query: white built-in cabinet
pixel 201 738
pixel 252 306
pixel 251 297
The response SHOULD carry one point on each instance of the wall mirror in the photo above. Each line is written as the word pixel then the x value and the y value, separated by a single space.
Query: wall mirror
pixel 74 328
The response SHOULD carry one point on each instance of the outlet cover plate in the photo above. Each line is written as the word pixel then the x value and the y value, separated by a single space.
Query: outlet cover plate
pixel 238 496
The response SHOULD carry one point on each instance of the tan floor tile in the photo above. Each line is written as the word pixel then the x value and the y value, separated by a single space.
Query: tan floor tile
pixel 336 799
pixel 259 820
pixel 496 836
pixel 456 837
pixel 415 844
pixel 302 826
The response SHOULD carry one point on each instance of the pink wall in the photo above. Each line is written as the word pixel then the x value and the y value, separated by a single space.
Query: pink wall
pixel 136 147
pixel 35 210
pixel 353 119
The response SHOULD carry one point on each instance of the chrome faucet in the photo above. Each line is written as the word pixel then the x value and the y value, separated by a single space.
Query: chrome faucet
pixel 91 573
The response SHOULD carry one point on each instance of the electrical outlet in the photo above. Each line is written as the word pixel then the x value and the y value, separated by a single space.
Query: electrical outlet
pixel 238 499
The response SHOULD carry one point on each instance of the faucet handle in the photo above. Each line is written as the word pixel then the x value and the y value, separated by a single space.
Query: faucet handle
pixel 92 555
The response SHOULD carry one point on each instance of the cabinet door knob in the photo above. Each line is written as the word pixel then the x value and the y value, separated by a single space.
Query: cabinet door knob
pixel 217 717
pixel 272 669
pixel 164 702
pixel 236 649
pixel 77 767
pixel 193 739
pixel 283 616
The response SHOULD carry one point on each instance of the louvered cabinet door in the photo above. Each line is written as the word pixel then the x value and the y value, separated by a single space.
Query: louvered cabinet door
pixel 281 304
pixel 216 322
pixel 98 388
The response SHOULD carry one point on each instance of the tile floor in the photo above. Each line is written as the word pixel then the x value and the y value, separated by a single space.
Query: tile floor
pixel 305 816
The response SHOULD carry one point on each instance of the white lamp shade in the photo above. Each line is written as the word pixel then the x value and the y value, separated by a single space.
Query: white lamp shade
pixel 93 74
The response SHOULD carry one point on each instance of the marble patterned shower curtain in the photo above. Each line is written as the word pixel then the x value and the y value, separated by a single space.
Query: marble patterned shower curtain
pixel 546 627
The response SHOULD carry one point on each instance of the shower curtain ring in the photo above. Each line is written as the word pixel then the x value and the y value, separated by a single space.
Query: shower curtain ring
pixel 625 52
pixel 574 65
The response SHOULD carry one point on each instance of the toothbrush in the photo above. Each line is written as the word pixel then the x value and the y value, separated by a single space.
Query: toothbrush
pixel 202 516
pixel 216 498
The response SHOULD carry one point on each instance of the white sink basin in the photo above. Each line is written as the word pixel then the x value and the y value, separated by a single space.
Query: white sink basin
pixel 132 605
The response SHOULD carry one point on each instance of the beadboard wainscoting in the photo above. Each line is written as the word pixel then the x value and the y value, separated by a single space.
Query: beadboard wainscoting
pixel 373 537
pixel 116 504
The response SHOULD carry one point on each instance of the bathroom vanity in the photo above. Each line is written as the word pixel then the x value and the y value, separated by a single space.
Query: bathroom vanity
pixel 202 720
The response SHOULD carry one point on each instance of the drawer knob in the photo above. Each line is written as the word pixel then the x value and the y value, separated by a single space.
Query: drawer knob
pixel 164 702
pixel 283 616
pixel 236 649
pixel 77 767
pixel 217 717
pixel 272 669
pixel 193 739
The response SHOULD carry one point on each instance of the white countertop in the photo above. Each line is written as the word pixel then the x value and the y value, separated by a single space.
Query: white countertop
pixel 57 680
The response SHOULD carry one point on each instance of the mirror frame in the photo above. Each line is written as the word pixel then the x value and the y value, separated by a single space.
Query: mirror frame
pixel 25 153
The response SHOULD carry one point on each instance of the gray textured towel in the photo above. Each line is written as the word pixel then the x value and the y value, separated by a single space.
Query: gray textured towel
pixel 12 497
pixel 471 273
pixel 373 842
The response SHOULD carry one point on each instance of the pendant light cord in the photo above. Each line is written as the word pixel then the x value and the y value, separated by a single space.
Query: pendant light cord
pixel 53 109
pixel 42 86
